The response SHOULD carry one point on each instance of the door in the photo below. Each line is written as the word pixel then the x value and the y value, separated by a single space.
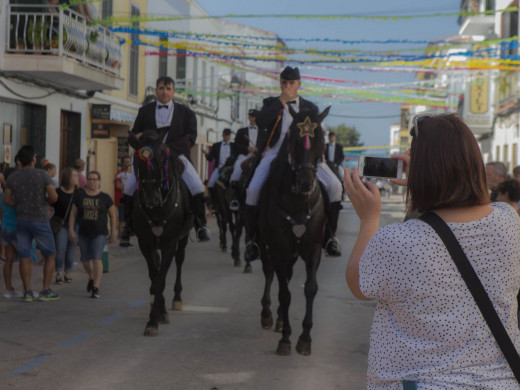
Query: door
pixel 70 138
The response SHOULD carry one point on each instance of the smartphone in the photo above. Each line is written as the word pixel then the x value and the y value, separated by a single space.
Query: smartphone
pixel 380 167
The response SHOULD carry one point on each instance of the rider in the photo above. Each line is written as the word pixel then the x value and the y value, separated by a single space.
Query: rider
pixel 220 152
pixel 248 138
pixel 276 119
pixel 181 126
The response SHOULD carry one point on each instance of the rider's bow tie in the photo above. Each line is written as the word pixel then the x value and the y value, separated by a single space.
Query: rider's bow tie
pixel 292 102
pixel 252 127
pixel 161 106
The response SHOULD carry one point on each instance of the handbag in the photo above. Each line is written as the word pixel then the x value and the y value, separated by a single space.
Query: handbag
pixel 57 221
pixel 476 288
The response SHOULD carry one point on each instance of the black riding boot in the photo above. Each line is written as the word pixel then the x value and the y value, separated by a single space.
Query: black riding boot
pixel 332 245
pixel 251 225
pixel 128 207
pixel 233 204
pixel 199 217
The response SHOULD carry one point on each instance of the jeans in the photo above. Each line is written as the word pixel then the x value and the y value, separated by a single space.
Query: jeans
pixel 39 231
pixel 65 249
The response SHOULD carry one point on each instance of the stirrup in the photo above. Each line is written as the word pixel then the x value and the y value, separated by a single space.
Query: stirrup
pixel 234 205
pixel 335 250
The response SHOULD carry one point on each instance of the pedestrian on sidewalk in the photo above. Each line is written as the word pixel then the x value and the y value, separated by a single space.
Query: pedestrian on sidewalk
pixel 92 208
pixel 427 327
pixel 65 248
pixel 9 243
pixel 31 190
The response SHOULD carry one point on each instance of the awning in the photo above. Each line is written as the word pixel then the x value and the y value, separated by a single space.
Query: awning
pixel 121 116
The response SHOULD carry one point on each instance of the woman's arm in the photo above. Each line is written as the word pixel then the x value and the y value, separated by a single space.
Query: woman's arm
pixel 367 203
pixel 72 221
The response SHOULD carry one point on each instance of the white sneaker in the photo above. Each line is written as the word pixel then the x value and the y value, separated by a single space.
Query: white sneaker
pixel 8 294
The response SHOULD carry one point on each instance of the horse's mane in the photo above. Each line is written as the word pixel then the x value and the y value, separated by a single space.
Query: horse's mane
pixel 150 137
pixel 280 164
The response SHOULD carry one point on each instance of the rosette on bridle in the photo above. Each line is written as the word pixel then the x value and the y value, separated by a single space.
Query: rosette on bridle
pixel 146 154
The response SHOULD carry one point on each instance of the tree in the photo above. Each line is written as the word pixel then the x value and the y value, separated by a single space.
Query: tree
pixel 345 135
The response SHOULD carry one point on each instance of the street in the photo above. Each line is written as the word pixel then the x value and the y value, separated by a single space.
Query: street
pixel 216 342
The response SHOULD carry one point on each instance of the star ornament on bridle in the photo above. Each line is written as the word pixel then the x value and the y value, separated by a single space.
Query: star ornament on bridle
pixel 307 128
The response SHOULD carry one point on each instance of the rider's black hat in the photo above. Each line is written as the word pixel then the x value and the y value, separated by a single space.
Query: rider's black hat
pixel 252 112
pixel 290 74
pixel 226 132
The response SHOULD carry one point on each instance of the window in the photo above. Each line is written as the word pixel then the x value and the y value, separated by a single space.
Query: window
pixel 505 155
pixel 204 86
pixel 133 79
pixel 180 71
pixel 514 156
pixel 106 9
pixel 163 57
pixel 212 91
pixel 497 153
pixel 195 76
pixel 510 29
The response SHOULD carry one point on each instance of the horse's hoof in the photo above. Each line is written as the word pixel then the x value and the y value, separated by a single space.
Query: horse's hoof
pixel 303 347
pixel 163 318
pixel 267 322
pixel 248 269
pixel 236 263
pixel 279 326
pixel 151 330
pixel 177 305
pixel 284 349
pixel 223 247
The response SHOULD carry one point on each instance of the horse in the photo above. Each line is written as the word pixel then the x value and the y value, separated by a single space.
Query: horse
pixel 292 223
pixel 161 218
pixel 220 197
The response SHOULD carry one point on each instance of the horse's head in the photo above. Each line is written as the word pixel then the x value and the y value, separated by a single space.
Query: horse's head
pixel 151 159
pixel 306 146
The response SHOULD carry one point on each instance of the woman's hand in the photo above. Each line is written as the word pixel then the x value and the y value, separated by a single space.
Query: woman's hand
pixel 366 201
pixel 72 235
pixel 111 238
pixel 406 166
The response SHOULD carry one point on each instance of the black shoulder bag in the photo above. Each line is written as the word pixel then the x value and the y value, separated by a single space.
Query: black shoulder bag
pixel 477 290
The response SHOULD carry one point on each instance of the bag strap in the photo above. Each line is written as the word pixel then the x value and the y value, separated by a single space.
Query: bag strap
pixel 68 207
pixel 477 290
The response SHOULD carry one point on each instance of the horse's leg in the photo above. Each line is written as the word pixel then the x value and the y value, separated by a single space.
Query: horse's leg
pixel 221 228
pixel 279 322
pixel 152 261
pixel 266 317
pixel 237 232
pixel 157 314
pixel 179 260
pixel 312 261
pixel 284 297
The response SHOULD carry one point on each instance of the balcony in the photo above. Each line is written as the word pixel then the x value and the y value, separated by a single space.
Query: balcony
pixel 478 24
pixel 56 47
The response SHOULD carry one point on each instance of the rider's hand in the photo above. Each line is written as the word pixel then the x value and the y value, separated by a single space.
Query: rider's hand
pixel 252 149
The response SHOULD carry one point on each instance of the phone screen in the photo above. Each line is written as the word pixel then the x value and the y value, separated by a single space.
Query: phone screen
pixel 380 167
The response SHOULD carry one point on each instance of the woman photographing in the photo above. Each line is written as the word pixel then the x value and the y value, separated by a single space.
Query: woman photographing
pixel 428 332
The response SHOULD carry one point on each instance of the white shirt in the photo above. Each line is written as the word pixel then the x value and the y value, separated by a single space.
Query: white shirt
pixel 163 116
pixel 286 123
pixel 330 151
pixel 225 152
pixel 253 135
pixel 427 326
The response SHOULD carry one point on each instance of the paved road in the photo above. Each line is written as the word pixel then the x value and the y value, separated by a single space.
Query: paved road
pixel 216 342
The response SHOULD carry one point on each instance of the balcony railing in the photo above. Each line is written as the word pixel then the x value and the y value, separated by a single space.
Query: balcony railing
pixel 475 6
pixel 47 29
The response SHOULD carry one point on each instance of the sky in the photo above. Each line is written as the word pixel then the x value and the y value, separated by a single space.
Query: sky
pixel 371 120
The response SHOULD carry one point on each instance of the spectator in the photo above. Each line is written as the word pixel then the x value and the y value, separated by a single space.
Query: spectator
pixel 119 185
pixel 65 248
pixel 427 326
pixel 509 191
pixel 92 209
pixel 9 243
pixel 496 173
pixel 51 170
pixel 79 165
pixel 29 190
pixel 516 172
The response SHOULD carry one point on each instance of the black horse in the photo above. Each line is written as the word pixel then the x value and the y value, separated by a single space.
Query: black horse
pixel 161 218
pixel 292 222
pixel 220 197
